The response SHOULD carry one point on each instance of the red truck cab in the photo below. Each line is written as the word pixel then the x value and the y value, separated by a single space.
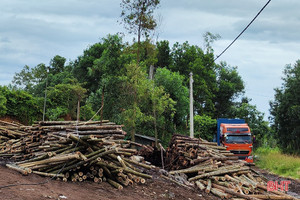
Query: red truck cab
pixel 237 139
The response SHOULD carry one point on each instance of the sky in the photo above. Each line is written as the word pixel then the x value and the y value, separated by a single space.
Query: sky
pixel 34 31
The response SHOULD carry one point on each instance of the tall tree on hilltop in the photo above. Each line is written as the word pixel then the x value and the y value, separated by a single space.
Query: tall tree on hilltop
pixel 163 53
pixel 57 64
pixel 191 58
pixel 285 110
pixel 230 87
pixel 137 17
pixel 85 62
pixel 33 79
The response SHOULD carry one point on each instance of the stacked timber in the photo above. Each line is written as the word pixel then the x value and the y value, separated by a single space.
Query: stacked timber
pixel 11 139
pixel 25 142
pixel 74 151
pixel 214 170
pixel 184 152
pixel 10 131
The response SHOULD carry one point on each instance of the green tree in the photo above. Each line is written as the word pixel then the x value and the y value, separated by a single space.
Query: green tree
pixel 209 39
pixel 145 103
pixel 21 105
pixel 173 85
pixel 83 65
pixel 3 108
pixel 136 91
pixel 163 111
pixel 191 58
pixel 33 80
pixel 100 63
pixel 285 110
pixel 63 100
pixel 57 64
pixel 230 86
pixel 255 119
pixel 111 61
pixel 87 113
pixel 24 78
pixel 205 127
pixel 137 17
pixel 106 72
pixel 163 53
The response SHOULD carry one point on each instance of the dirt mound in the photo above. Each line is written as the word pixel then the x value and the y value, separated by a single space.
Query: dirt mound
pixel 10 119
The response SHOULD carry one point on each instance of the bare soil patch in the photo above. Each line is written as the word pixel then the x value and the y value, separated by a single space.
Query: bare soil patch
pixel 157 188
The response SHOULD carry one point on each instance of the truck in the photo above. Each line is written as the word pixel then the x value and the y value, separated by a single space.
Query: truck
pixel 235 135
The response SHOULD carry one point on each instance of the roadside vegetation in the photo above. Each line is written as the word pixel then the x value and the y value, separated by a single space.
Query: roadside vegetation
pixel 277 162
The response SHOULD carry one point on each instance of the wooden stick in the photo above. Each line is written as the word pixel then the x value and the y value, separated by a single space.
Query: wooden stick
pixel 218 172
pixel 208 187
pixel 24 171
pixel 48 174
pixel 115 184
pixel 234 193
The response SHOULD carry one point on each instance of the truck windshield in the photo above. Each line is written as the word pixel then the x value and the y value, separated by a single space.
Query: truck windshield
pixel 238 139
pixel 237 130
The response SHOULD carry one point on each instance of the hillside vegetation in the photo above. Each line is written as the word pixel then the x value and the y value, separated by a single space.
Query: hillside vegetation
pixel 113 79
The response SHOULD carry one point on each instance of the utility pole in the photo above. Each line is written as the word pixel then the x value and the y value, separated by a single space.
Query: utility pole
pixel 151 76
pixel 78 110
pixel 45 98
pixel 191 107
pixel 151 72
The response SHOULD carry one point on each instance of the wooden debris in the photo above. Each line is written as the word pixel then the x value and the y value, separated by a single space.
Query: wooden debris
pixel 214 170
pixel 73 151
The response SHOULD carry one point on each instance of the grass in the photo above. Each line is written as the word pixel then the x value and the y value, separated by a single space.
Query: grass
pixel 277 162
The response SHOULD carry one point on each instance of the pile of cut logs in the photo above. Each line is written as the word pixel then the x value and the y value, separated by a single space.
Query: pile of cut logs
pixel 184 152
pixel 97 151
pixel 10 136
pixel 10 131
pixel 214 170
pixel 76 151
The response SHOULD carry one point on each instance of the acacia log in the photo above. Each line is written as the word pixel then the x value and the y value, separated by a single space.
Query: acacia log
pixel 51 160
pixel 208 187
pixel 233 192
pixel 218 172
pixel 200 185
pixel 115 184
pixel 24 171
pixel 48 174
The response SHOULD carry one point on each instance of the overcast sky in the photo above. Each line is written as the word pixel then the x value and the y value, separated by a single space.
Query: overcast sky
pixel 34 31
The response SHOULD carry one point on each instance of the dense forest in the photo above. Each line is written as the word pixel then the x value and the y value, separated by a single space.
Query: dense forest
pixel 107 74
pixel 144 85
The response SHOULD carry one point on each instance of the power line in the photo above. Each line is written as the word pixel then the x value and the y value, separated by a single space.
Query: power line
pixel 242 31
